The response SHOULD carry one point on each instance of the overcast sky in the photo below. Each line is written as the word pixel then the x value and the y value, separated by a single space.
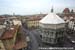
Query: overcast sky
pixel 24 7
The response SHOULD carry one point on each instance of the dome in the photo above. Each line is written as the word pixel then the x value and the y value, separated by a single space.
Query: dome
pixel 52 18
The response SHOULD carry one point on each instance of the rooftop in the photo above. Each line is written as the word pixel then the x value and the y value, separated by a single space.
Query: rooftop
pixel 52 18
pixel 34 18
pixel 9 33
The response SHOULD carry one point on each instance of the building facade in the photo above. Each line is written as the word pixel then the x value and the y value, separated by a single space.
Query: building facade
pixel 8 38
pixel 33 22
pixel 2 47
pixel 52 28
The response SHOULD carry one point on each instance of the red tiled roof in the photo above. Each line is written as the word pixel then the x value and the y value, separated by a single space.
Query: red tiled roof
pixel 20 43
pixel 9 33
pixel 34 18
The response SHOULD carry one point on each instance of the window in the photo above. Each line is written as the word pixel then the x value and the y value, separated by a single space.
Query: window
pixel 48 32
pixel 41 36
pixel 50 39
pixel 44 38
pixel 51 33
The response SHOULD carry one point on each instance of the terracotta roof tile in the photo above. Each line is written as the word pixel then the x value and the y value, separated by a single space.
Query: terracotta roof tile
pixel 9 33
pixel 34 18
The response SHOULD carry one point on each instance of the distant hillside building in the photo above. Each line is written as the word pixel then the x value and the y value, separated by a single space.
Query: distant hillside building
pixel 52 28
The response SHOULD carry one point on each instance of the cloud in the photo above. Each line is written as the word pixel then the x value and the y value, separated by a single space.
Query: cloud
pixel 34 6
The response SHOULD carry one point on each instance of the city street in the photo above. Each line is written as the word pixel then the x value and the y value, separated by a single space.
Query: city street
pixel 33 45
pixel 36 33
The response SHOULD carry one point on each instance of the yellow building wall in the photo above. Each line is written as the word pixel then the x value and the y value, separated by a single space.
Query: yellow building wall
pixel 1 46
pixel 33 23
pixel 9 43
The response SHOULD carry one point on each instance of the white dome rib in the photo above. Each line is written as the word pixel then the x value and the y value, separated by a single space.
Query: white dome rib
pixel 52 18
